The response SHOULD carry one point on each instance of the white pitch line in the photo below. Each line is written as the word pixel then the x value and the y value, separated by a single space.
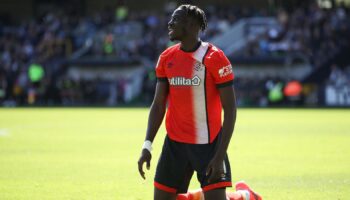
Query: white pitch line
pixel 4 132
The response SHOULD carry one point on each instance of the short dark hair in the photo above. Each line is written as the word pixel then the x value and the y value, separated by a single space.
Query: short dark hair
pixel 197 14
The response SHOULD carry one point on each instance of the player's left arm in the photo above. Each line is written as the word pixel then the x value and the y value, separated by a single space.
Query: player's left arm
pixel 221 70
pixel 228 101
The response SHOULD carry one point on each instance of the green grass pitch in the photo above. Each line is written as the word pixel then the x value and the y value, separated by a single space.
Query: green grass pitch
pixel 288 154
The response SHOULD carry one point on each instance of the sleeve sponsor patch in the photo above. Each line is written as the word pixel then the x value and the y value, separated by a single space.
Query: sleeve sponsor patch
pixel 225 71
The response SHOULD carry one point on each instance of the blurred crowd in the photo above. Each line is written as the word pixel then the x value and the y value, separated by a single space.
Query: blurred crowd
pixel 308 30
pixel 305 32
pixel 34 54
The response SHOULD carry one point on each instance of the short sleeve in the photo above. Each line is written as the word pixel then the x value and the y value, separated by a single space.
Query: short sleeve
pixel 160 71
pixel 220 68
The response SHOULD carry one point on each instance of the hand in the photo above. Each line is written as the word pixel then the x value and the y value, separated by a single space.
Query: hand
pixel 145 157
pixel 215 169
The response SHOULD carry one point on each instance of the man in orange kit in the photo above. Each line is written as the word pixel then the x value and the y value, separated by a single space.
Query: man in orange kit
pixel 194 86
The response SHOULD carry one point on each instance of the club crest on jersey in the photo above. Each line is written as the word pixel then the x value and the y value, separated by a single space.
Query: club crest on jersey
pixel 182 81
pixel 224 71
pixel 170 64
pixel 198 66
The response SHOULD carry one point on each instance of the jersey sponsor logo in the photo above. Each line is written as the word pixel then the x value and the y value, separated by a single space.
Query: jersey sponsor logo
pixel 198 66
pixel 182 81
pixel 224 71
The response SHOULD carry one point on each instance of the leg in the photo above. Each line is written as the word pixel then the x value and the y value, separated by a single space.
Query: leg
pixel 172 159
pixel 217 194
pixel 162 195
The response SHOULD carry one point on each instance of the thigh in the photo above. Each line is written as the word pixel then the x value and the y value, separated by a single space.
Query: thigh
pixel 200 156
pixel 218 194
pixel 174 171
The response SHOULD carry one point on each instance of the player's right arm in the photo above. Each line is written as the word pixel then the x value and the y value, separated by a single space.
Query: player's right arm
pixel 157 112
pixel 155 119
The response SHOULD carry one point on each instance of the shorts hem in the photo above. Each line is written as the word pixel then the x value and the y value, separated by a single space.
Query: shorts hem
pixel 164 188
pixel 216 186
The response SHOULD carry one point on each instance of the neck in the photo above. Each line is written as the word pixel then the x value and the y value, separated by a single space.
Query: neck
pixel 190 45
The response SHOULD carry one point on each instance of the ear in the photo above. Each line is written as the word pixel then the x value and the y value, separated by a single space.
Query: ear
pixel 192 24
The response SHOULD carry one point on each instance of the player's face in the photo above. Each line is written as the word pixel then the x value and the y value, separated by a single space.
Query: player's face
pixel 176 25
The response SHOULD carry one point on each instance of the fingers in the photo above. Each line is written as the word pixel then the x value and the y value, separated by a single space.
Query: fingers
pixel 209 168
pixel 209 172
pixel 140 164
pixel 148 164
pixel 212 176
pixel 213 173
pixel 145 157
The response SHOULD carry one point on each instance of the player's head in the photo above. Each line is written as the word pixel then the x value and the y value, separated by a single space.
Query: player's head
pixel 186 21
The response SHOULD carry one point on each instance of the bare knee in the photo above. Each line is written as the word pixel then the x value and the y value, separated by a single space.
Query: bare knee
pixel 218 194
pixel 162 195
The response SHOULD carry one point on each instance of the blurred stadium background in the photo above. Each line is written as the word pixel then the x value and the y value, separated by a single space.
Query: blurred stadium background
pixel 103 53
